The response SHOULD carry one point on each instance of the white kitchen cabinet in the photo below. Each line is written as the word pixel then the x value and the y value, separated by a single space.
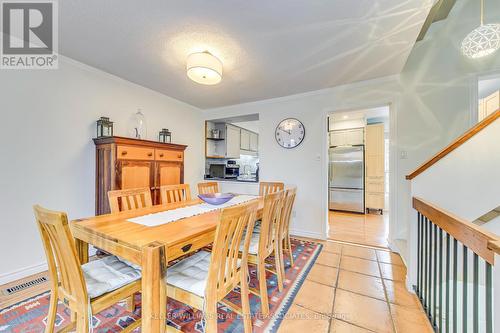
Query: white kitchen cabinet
pixel 254 141
pixel 350 137
pixel 245 139
pixel 488 105
pixel 374 167
pixel 233 137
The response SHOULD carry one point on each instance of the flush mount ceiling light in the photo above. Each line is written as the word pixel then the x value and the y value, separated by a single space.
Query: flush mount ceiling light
pixel 204 68
pixel 482 41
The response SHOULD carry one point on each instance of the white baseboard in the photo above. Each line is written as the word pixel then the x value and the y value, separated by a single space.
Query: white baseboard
pixel 22 273
pixel 307 234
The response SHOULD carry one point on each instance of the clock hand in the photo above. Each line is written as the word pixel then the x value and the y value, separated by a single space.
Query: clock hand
pixel 288 132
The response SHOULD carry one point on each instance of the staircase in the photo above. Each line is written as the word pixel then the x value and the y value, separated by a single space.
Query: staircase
pixel 454 242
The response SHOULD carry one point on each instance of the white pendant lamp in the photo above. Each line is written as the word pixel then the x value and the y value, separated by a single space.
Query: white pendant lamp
pixel 204 68
pixel 482 41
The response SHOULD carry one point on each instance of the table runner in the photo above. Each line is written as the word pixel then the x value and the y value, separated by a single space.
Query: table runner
pixel 168 216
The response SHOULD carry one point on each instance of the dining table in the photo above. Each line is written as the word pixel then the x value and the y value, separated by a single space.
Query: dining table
pixel 150 247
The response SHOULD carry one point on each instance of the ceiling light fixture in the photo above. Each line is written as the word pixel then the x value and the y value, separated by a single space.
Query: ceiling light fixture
pixel 482 41
pixel 204 68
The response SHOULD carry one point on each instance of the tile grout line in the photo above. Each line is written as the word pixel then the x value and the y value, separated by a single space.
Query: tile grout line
pixel 335 291
pixel 387 298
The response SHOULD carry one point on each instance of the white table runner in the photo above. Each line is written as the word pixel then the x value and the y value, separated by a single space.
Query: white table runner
pixel 168 216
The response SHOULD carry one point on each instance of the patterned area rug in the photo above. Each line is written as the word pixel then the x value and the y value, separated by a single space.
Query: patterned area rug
pixel 29 316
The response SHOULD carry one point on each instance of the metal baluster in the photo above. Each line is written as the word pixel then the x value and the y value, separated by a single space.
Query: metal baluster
pixel 434 281
pixel 464 298
pixel 440 326
pixel 475 309
pixel 424 264
pixel 429 264
pixel 489 299
pixel 419 254
pixel 447 283
pixel 455 278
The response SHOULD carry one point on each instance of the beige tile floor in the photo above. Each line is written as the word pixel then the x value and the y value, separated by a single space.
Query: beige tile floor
pixel 367 229
pixel 355 289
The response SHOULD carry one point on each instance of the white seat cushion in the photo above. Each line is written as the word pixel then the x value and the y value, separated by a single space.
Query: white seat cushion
pixel 191 274
pixel 108 274
pixel 254 243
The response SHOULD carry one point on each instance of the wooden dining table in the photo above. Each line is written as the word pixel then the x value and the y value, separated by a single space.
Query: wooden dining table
pixel 150 247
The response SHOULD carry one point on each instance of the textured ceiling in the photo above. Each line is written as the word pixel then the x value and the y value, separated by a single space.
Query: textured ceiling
pixel 268 48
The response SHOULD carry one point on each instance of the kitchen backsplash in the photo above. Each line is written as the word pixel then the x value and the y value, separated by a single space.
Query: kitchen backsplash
pixel 247 163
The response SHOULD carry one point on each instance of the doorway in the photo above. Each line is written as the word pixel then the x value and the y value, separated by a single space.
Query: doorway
pixel 358 176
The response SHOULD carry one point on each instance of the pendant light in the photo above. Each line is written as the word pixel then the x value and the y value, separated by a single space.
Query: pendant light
pixel 482 41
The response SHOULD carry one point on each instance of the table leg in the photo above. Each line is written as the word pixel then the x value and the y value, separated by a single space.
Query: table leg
pixel 82 249
pixel 154 291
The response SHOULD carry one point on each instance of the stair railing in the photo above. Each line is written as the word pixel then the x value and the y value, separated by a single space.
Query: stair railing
pixel 455 260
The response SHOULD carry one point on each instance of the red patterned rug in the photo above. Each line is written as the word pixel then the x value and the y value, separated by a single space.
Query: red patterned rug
pixel 29 316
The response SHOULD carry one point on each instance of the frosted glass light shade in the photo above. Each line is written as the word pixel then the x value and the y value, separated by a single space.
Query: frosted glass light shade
pixel 204 68
pixel 482 41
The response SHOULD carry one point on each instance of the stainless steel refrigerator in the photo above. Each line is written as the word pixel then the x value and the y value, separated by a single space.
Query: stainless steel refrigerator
pixel 347 178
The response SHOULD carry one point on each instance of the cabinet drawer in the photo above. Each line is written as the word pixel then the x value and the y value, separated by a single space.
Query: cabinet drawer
pixel 375 200
pixel 135 153
pixel 375 187
pixel 177 250
pixel 169 155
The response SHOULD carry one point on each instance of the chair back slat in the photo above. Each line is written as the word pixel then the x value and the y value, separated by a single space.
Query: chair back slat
pixel 175 193
pixel 270 225
pixel 208 187
pixel 225 264
pixel 266 188
pixel 131 199
pixel 286 213
pixel 61 254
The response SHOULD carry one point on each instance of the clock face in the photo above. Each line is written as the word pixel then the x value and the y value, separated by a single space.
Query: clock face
pixel 290 133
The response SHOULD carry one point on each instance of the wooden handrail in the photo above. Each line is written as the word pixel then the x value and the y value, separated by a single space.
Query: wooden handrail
pixel 481 242
pixel 455 144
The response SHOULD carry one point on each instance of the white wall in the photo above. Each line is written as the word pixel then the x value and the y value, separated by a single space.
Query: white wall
pixel 48 122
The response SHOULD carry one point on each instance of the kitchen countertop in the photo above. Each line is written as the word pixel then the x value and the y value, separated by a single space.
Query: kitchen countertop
pixel 252 180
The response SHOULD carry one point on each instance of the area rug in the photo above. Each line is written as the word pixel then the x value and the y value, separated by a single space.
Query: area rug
pixel 29 316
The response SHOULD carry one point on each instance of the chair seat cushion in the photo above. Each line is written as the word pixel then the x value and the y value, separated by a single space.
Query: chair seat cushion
pixel 254 243
pixel 191 274
pixel 108 274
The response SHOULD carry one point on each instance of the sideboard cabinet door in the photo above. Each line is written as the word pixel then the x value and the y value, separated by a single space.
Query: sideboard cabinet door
pixel 134 174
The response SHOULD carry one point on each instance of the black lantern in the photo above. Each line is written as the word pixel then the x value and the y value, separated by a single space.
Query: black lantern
pixel 165 136
pixel 104 127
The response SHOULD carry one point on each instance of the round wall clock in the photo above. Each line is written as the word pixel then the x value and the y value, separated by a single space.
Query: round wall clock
pixel 290 133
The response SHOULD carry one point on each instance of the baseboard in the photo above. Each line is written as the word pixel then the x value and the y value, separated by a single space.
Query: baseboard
pixel 307 234
pixel 22 273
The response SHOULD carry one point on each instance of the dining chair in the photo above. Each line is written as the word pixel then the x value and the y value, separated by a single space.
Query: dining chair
pixel 85 289
pixel 286 214
pixel 122 200
pixel 264 242
pixel 270 187
pixel 175 193
pixel 208 187
pixel 206 278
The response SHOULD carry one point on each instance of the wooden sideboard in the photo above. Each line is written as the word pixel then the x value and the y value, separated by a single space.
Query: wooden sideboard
pixel 123 163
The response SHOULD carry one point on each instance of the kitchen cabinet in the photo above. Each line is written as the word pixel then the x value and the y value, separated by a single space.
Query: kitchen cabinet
pixel 488 105
pixel 245 139
pixel 125 163
pixel 254 141
pixel 350 137
pixel 375 167
pixel 233 138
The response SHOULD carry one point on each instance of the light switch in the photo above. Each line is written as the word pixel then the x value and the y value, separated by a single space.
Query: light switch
pixel 404 154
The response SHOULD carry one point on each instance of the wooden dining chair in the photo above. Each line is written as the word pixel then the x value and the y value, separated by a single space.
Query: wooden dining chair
pixel 122 200
pixel 85 289
pixel 264 242
pixel 270 187
pixel 206 278
pixel 208 187
pixel 175 193
pixel 286 214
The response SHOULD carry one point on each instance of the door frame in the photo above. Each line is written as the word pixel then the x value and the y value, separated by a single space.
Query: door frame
pixel 394 233
pixel 474 92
